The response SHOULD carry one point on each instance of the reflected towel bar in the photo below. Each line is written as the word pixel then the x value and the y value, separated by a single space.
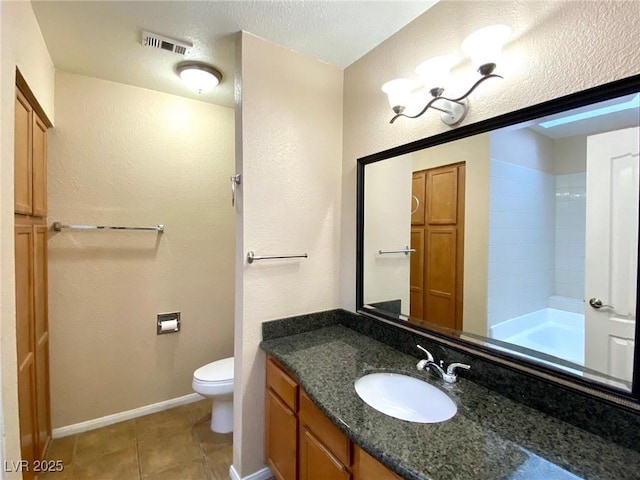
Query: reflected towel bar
pixel 58 227
pixel 406 251
pixel 251 256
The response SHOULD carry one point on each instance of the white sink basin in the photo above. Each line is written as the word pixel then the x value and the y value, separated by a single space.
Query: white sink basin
pixel 405 397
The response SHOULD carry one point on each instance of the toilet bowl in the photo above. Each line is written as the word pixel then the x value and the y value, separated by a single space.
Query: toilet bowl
pixel 215 381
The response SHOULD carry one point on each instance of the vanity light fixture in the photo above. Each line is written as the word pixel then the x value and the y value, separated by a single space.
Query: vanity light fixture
pixel 199 76
pixel 484 46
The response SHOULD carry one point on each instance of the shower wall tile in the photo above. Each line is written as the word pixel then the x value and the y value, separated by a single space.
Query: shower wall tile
pixel 570 234
pixel 521 240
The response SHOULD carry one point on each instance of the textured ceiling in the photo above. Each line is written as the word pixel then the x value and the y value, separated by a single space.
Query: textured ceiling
pixel 102 39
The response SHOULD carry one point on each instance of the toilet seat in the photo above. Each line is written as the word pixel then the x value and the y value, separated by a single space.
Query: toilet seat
pixel 217 373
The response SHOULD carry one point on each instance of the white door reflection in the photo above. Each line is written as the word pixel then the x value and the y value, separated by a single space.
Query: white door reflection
pixel 611 252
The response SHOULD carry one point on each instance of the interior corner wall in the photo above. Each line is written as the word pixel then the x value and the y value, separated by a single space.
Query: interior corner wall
pixel 291 135
pixel 556 48
pixel 21 46
pixel 124 155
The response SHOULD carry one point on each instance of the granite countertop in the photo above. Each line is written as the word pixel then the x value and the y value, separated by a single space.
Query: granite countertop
pixel 491 437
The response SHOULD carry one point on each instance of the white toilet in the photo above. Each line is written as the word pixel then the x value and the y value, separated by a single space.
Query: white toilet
pixel 215 381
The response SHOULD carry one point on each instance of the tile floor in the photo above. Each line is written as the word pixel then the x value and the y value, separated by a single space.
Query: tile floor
pixel 175 444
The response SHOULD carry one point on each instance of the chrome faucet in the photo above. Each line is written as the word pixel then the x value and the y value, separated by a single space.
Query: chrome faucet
pixel 449 376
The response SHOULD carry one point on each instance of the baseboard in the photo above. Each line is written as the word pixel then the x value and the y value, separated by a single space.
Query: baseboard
pixel 122 416
pixel 262 474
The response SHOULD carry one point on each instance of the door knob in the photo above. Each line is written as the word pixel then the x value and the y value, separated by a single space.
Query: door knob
pixel 597 304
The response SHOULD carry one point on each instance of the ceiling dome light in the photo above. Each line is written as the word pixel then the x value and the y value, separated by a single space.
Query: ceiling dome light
pixel 199 77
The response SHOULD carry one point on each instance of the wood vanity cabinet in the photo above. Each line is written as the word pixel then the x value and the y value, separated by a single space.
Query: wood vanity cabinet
pixel 367 467
pixel 325 452
pixel 303 444
pixel 32 327
pixel 281 426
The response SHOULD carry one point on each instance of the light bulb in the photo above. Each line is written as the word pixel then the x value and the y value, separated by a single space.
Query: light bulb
pixel 434 72
pixel 484 46
pixel 399 93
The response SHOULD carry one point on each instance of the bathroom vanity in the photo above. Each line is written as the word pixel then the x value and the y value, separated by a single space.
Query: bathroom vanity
pixel 318 428
pixel 300 438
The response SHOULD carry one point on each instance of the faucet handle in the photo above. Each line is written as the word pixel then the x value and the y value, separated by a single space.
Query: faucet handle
pixel 451 369
pixel 429 356
pixel 422 364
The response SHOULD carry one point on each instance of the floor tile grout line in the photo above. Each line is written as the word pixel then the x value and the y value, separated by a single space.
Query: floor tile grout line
pixel 196 423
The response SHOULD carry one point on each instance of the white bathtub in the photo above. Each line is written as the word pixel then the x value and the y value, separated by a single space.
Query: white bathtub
pixel 552 331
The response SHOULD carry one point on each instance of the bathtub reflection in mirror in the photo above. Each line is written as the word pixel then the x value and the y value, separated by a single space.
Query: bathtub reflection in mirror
pixel 504 238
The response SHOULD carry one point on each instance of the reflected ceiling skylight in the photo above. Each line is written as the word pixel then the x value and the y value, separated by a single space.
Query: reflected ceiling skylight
pixel 633 103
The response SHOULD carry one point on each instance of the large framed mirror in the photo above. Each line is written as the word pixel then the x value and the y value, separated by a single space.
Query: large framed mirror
pixel 516 236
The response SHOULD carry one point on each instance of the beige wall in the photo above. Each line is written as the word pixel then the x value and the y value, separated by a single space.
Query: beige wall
pixel 21 45
pixel 290 156
pixel 570 154
pixel 123 155
pixel 557 48
pixel 474 151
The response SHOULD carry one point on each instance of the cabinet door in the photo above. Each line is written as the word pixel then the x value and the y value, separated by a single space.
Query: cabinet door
pixel 281 440
pixel 39 166
pixel 366 467
pixel 25 346
pixel 317 462
pixel 324 430
pixel 41 331
pixel 22 155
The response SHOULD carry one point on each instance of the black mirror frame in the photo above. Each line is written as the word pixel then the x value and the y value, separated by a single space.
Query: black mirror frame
pixel 626 86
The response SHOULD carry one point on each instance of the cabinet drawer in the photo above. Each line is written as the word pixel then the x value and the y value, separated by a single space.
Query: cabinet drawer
pixel 282 384
pixel 330 435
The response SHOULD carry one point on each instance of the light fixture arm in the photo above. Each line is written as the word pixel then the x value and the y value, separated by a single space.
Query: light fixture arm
pixel 458 100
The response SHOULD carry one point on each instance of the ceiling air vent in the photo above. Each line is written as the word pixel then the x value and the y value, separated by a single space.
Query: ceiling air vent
pixel 165 43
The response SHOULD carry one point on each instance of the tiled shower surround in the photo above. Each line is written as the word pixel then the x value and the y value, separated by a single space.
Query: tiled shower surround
pixel 521 241
pixel 536 241
pixel 571 210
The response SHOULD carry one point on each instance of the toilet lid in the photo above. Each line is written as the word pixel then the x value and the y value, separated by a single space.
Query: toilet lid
pixel 219 371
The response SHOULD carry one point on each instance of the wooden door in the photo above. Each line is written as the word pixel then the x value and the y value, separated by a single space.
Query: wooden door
pixel 417 198
pixel 32 329
pixel 437 268
pixel 611 247
pixel 41 339
pixel 317 462
pixel 39 167
pixel 281 438
pixel 25 343
pixel 416 273
pixel 22 153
